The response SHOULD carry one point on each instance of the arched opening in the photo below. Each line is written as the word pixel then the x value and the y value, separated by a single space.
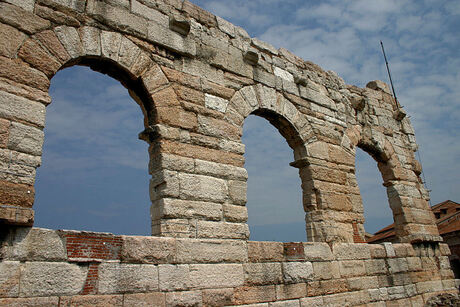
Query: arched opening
pixel 274 197
pixel 377 212
pixel 94 169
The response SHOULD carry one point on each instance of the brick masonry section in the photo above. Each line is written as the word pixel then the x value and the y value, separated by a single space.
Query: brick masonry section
pixel 91 246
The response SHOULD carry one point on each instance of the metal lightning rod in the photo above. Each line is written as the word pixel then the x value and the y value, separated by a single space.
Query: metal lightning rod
pixel 389 75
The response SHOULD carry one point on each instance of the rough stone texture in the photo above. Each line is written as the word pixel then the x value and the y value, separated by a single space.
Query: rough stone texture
pixel 128 277
pixel 48 278
pixel 195 77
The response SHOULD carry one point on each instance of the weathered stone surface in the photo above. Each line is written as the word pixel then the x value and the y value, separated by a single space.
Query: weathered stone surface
pixel 138 249
pixel 51 279
pixel 235 214
pixel 203 187
pixel 36 244
pixel 218 297
pixel 91 300
pixel 23 74
pixel 265 251
pixel 216 103
pixel 295 272
pixel 30 302
pixel 117 18
pixel 144 299
pixel 22 19
pixel 250 295
pixel 25 139
pixel 216 275
pixel 10 40
pixel 184 299
pixel 121 278
pixel 170 39
pixel 317 251
pixel 222 230
pixel 211 251
pixel 9 278
pixel 33 54
pixel 70 39
pixel 262 273
pixel 346 251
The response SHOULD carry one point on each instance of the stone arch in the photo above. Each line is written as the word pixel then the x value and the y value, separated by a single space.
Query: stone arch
pixel 107 52
pixel 407 196
pixel 270 104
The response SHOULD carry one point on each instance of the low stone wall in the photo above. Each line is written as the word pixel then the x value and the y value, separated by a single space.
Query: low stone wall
pixel 42 267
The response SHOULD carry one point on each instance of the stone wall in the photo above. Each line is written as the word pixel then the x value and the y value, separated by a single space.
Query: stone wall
pixel 43 267
pixel 196 77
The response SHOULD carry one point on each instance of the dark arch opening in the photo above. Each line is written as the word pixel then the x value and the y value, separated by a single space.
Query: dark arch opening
pixel 377 211
pixel 94 170
pixel 275 210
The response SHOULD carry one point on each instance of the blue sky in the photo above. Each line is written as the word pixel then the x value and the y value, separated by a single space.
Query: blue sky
pixel 94 175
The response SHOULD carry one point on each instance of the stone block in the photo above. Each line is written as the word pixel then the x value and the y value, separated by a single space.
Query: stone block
pixel 265 251
pixel 178 208
pixel 154 78
pixel 296 272
pixel 204 276
pixel 312 302
pixel 326 270
pixel 174 277
pixel 198 187
pixel 25 139
pixel 218 128
pixel 350 268
pixel 363 282
pixel 235 214
pixel 290 303
pixel 14 194
pixel 10 40
pixel 144 299
pixel 52 279
pixel 210 251
pixel 110 44
pixel 397 265
pixel 351 251
pixel 220 170
pixel 375 266
pixel 91 300
pixel 218 297
pixel 15 107
pixel 137 249
pixel 10 272
pixel 35 244
pixel 237 191
pixel 251 295
pixel 22 73
pixel 216 103
pixel 184 299
pixel 22 19
pixel 316 251
pixel 30 302
pixel 170 39
pixel 17 215
pixel 117 17
pixel 222 230
pixel 32 53
pixel 290 291
pixel 164 184
pixel 151 14
pixel 377 251
pixel 70 39
pixel 262 274
pixel 91 40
